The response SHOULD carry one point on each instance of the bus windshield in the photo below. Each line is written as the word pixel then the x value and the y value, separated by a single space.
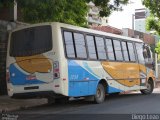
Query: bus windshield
pixel 31 41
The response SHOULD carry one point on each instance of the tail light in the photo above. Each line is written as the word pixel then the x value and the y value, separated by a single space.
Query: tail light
pixel 56 71
pixel 7 76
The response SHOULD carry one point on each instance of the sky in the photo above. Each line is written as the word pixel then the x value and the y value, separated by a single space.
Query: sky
pixel 123 19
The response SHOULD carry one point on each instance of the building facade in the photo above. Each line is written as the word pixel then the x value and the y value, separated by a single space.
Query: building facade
pixel 108 29
pixel 140 19
pixel 146 37
pixel 93 16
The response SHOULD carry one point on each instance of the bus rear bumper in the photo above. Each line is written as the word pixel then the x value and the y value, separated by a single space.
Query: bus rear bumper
pixel 32 91
pixel 40 94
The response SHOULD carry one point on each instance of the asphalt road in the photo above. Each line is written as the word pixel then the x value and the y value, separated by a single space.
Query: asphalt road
pixel 125 106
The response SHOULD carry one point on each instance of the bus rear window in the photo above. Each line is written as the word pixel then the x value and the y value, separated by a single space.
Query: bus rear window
pixel 31 41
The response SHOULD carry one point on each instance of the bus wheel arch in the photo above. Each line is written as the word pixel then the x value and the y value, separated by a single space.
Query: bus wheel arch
pixel 104 83
pixel 150 87
pixel 151 80
pixel 99 96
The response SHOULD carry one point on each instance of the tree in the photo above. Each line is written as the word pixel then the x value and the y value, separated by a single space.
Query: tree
pixel 107 8
pixel 157 49
pixel 67 11
pixel 153 21
pixel 6 3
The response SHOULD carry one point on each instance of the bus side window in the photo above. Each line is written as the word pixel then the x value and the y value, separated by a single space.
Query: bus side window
pixel 131 52
pixel 69 44
pixel 110 51
pixel 147 54
pixel 80 45
pixel 118 50
pixel 125 51
pixel 101 48
pixel 139 49
pixel 91 47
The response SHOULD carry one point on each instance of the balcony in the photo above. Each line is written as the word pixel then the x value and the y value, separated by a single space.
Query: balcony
pixel 94 20
pixel 93 11
pixel 91 4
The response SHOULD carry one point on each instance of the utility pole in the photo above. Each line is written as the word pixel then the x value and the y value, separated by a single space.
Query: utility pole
pixel 132 21
pixel 15 11
pixel 133 24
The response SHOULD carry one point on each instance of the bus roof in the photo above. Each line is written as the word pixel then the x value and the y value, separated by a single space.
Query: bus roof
pixel 77 28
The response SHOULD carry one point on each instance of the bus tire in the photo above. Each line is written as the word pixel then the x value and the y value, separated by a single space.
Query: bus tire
pixel 150 87
pixel 100 94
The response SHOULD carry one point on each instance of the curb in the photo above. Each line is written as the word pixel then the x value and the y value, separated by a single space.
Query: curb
pixel 10 109
pixel 19 108
pixel 16 106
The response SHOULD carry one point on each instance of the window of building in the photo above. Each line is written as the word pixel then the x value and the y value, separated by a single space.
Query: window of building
pixel 91 47
pixel 100 48
pixel 131 51
pixel 69 44
pixel 80 45
pixel 125 51
pixel 110 51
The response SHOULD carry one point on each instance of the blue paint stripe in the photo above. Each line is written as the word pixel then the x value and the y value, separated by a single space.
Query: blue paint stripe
pixel 113 90
pixel 19 78
pixel 77 74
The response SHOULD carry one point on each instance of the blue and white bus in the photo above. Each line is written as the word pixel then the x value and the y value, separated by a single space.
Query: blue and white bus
pixel 58 61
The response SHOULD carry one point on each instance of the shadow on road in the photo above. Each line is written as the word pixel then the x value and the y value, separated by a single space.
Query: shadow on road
pixel 82 102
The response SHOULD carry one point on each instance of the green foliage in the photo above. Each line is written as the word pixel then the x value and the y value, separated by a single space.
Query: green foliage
pixel 153 24
pixel 6 3
pixel 157 49
pixel 66 11
pixel 107 8
pixel 153 21
pixel 153 6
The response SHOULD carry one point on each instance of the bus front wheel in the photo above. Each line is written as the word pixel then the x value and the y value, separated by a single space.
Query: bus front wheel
pixel 150 87
pixel 100 94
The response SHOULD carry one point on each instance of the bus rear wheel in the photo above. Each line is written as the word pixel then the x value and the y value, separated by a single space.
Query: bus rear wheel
pixel 149 89
pixel 100 94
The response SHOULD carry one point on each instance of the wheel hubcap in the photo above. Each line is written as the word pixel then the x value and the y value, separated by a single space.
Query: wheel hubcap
pixel 99 93
pixel 148 87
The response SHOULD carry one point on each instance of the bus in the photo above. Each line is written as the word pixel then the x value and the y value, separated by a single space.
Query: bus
pixel 59 61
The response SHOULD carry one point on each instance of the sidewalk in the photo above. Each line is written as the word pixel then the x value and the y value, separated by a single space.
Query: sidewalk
pixel 8 104
pixel 158 83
